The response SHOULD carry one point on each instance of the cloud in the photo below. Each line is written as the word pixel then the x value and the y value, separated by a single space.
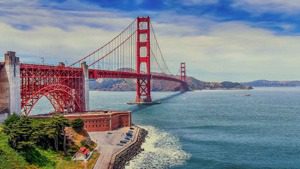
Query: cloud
pixel 36 15
pixel 213 50
pixel 52 43
pixel 237 51
pixel 34 30
pixel 170 23
pixel 269 6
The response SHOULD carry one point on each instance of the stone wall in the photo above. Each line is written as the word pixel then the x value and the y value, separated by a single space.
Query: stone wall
pixel 10 89
pixel 4 90
pixel 126 155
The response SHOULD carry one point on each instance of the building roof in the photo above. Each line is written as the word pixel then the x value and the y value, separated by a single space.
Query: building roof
pixel 84 150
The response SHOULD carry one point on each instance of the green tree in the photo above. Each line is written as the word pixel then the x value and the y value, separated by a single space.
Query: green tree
pixel 77 124
pixel 25 133
pixel 19 134
pixel 44 134
pixel 12 119
pixel 58 123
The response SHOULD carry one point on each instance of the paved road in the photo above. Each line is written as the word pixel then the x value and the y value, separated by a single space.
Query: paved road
pixel 107 145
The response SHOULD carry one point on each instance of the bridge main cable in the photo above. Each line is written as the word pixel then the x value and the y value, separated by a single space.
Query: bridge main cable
pixel 102 47
pixel 157 46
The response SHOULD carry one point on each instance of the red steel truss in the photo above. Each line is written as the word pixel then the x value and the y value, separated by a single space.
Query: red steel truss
pixel 143 84
pixel 62 86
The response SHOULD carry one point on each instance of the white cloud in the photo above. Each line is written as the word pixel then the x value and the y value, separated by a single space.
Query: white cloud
pixel 52 43
pixel 56 33
pixel 180 25
pixel 273 6
pixel 35 15
pixel 212 50
pixel 239 52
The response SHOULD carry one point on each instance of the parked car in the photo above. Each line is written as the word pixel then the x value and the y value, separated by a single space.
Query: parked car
pixel 123 141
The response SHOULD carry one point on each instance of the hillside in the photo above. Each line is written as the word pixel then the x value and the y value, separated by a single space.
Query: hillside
pixel 9 158
pixel 161 85
pixel 38 157
pixel 267 83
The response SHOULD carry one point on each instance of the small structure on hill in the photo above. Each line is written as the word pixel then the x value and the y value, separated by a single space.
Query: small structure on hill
pixel 82 154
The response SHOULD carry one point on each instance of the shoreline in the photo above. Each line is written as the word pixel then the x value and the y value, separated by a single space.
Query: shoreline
pixel 122 157
pixel 113 155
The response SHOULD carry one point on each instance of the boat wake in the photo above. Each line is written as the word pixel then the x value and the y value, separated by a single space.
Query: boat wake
pixel 161 150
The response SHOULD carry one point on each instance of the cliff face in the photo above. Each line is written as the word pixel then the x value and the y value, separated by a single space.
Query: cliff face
pixel 161 85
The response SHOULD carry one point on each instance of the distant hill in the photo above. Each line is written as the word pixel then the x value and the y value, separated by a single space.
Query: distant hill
pixel 267 83
pixel 161 85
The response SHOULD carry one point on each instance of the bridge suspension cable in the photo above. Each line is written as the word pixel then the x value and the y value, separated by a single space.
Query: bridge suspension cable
pixel 157 53
pixel 119 54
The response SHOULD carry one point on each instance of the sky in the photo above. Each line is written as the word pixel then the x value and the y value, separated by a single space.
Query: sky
pixel 220 40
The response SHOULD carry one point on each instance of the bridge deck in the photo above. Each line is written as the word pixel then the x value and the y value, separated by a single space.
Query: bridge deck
pixel 58 84
pixel 95 74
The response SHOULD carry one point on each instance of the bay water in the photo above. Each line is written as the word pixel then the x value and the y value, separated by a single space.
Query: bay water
pixel 217 129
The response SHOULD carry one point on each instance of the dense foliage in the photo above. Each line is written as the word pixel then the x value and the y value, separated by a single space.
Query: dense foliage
pixel 24 133
pixel 40 158
pixel 77 124
pixel 38 144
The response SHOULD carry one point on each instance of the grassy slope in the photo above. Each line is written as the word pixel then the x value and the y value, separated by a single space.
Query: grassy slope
pixel 9 158
pixel 45 159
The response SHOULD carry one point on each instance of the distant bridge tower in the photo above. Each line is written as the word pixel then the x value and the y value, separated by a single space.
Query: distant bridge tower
pixel 183 71
pixel 143 85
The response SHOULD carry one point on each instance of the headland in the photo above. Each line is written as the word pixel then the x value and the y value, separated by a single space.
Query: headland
pixel 118 141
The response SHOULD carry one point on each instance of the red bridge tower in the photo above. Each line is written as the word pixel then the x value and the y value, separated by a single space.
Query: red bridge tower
pixel 143 85
pixel 182 71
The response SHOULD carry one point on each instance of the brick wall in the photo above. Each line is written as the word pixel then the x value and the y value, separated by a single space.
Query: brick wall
pixel 104 121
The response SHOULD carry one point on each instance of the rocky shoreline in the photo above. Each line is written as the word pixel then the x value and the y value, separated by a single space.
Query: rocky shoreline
pixel 123 157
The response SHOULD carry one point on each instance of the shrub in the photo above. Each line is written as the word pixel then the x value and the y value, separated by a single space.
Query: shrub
pixel 12 119
pixel 77 124
pixel 20 133
pixel 86 143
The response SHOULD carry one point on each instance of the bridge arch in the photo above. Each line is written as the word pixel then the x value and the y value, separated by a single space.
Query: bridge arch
pixel 62 98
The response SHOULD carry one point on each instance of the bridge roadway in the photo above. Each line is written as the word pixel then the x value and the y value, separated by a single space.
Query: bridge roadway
pixel 63 84
pixel 95 73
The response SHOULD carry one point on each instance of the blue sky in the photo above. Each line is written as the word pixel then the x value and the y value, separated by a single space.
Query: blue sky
pixel 238 40
pixel 218 10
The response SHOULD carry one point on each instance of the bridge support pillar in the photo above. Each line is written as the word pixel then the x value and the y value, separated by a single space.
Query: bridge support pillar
pixel 143 84
pixel 182 71
pixel 13 82
pixel 184 86
pixel 85 85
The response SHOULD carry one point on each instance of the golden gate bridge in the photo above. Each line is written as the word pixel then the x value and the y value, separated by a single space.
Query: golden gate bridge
pixel 134 53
